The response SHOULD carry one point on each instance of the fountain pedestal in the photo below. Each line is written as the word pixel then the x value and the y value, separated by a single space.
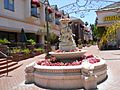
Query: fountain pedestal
pixel 67 47
pixel 90 82
pixel 66 77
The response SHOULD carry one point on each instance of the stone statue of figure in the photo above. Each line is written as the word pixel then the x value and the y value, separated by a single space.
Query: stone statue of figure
pixel 67 42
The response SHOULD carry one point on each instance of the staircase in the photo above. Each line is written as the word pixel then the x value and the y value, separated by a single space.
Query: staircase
pixel 7 65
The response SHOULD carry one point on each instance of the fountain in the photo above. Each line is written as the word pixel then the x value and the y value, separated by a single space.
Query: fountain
pixel 68 67
pixel 67 46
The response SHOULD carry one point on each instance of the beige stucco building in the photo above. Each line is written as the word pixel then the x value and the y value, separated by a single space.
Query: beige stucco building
pixel 26 14
pixel 109 15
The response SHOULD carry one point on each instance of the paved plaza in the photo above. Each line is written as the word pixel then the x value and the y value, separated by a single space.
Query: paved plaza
pixel 16 78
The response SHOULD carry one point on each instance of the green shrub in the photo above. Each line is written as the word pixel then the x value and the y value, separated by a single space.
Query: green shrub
pixel 53 38
pixel 25 51
pixel 109 35
pixel 31 42
pixel 15 50
pixel 4 41
pixel 39 49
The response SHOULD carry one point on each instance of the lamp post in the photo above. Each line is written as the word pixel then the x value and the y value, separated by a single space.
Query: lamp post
pixel 45 2
pixel 47 25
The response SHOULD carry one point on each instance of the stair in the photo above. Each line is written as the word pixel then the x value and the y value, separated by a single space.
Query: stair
pixel 4 67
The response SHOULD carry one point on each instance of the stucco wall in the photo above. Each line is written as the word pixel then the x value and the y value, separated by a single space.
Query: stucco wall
pixel 18 10
pixel 103 14
pixel 106 13
pixel 16 24
pixel 21 14
pixel 22 10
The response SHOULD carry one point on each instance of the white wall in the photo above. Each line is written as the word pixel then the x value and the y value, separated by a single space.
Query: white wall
pixel 18 7
pixel 22 11
pixel 42 14
pixel 27 9
pixel 1 5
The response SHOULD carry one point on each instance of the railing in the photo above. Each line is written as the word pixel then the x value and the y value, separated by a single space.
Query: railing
pixel 5 55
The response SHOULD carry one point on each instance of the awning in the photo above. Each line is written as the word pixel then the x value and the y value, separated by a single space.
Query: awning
pixel 58 14
pixel 82 26
pixel 50 10
pixel 36 2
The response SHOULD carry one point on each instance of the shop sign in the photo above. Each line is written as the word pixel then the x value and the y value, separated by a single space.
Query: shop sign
pixel 111 18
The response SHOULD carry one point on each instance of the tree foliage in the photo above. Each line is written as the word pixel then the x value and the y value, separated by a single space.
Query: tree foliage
pixel 53 38
pixel 110 34
pixel 97 31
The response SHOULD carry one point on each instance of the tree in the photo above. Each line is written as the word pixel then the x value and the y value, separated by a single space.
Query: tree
pixel 94 31
pixel 86 23
pixel 96 21
pixel 109 35
pixel 53 38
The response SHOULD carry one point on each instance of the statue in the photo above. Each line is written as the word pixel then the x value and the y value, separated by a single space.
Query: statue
pixel 67 42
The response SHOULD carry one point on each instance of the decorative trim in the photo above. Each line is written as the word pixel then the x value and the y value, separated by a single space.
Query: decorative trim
pixel 1 16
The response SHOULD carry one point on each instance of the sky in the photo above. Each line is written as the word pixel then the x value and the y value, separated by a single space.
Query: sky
pixel 88 17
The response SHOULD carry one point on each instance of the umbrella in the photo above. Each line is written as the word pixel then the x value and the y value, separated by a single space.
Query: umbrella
pixel 23 37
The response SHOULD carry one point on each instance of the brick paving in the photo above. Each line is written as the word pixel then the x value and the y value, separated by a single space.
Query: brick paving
pixel 16 78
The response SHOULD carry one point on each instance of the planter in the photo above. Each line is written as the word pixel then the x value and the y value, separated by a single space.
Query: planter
pixel 16 56
pixel 31 47
pixel 37 53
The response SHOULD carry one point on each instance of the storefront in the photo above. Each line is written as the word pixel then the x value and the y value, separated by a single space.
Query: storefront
pixel 107 16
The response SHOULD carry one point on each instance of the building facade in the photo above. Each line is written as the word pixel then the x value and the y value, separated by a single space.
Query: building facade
pixel 24 14
pixel 77 27
pixel 109 15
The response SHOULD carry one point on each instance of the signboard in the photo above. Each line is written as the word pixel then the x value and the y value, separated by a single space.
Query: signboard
pixel 111 18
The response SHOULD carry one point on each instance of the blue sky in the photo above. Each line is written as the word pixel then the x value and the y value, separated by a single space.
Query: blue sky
pixel 89 17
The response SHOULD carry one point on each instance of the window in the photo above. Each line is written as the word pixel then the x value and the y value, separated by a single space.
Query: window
pixel 9 5
pixel 34 11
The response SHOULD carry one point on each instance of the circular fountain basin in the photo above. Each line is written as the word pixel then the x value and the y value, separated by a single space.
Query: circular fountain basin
pixel 66 77
pixel 66 55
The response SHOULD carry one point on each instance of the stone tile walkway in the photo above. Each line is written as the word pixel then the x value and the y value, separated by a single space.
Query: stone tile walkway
pixel 15 79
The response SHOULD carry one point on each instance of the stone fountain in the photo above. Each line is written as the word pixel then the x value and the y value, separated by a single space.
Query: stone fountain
pixel 85 74
pixel 67 44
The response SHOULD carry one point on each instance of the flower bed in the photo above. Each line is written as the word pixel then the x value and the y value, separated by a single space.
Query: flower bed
pixel 51 73
pixel 21 54
pixel 52 61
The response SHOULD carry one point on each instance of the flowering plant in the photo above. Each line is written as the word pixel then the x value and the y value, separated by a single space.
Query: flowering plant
pixel 54 62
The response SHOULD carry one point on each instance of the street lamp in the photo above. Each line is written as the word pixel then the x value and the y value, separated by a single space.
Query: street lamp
pixel 47 25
